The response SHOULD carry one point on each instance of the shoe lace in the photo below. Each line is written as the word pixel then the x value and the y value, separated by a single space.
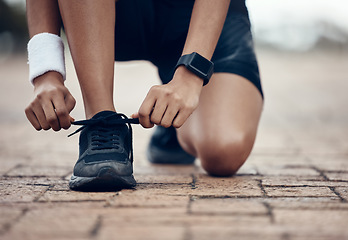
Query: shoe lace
pixel 102 137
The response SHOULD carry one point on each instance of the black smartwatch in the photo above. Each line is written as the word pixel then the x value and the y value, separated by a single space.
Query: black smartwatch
pixel 197 64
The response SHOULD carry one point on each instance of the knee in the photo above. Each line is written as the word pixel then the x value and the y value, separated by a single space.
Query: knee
pixel 224 157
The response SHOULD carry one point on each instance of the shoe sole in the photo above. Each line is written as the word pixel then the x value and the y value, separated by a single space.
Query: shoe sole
pixel 107 180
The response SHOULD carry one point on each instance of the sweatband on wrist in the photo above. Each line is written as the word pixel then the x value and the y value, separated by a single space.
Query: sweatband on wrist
pixel 45 53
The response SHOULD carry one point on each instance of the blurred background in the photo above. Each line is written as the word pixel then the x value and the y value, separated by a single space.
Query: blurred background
pixel 302 47
pixel 287 25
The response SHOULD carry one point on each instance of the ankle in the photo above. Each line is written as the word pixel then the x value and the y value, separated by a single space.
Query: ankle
pixel 91 112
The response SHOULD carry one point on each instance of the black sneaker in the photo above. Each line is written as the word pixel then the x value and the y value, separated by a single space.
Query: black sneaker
pixel 106 153
pixel 164 148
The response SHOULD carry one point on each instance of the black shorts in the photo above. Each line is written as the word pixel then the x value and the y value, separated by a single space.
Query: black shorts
pixel 156 30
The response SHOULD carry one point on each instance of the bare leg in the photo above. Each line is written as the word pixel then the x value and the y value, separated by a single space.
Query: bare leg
pixel 221 131
pixel 90 29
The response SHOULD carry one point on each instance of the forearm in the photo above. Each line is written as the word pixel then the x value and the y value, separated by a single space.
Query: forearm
pixel 206 24
pixel 43 16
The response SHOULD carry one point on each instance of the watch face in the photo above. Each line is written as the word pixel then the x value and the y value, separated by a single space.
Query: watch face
pixel 201 64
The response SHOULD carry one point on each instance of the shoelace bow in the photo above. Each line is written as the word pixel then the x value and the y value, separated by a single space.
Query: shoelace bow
pixel 102 137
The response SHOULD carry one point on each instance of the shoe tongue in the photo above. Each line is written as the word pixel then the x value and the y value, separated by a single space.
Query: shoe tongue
pixel 104 114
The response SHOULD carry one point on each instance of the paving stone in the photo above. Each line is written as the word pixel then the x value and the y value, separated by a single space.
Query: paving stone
pixel 10 163
pixel 270 231
pixel 316 203
pixel 343 191
pixel 288 181
pixel 274 159
pixel 20 193
pixel 185 179
pixel 39 171
pixel 62 185
pixel 276 149
pixel 339 176
pixel 26 189
pixel 329 163
pixel 134 232
pixel 299 192
pixel 310 235
pixel 58 196
pixel 46 181
pixel 7 216
pixel 165 169
pixel 235 186
pixel 54 223
pixel 175 217
pixel 227 207
pixel 281 170
pixel 163 189
pixel 235 231
pixel 148 198
pixel 63 155
pixel 58 205
pixel 270 142
pixel 151 216
pixel 330 220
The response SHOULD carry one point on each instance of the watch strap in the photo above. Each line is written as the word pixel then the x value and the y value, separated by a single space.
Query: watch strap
pixel 187 61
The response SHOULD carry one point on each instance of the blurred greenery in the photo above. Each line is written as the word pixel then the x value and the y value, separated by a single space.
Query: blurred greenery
pixel 13 28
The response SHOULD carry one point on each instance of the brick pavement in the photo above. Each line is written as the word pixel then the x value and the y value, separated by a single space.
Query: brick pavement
pixel 294 185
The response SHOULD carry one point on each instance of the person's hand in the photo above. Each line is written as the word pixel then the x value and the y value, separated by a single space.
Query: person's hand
pixel 171 104
pixel 52 103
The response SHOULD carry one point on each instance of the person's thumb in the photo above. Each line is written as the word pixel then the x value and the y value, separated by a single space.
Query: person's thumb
pixel 135 115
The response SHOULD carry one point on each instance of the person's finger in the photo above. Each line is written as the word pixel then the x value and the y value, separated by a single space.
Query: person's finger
pixel 158 111
pixel 40 115
pixel 51 116
pixel 135 115
pixel 146 109
pixel 70 102
pixel 169 116
pixel 181 118
pixel 32 118
pixel 61 111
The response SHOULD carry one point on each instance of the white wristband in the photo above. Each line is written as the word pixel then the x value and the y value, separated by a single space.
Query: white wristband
pixel 45 53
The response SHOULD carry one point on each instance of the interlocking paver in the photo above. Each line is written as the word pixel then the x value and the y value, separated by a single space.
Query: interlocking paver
pixel 289 181
pixel 8 216
pixel 282 170
pixel 20 193
pixel 329 163
pixel 299 192
pixel 39 171
pixel 57 222
pixel 158 178
pixel 278 160
pixel 337 176
pixel 109 231
pixel 58 196
pixel 343 192
pixel 318 219
pixel 148 198
pixel 175 217
pixel 236 231
pixel 236 186
pixel 227 206
pixel 148 169
pixel 317 203
pixel 10 163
